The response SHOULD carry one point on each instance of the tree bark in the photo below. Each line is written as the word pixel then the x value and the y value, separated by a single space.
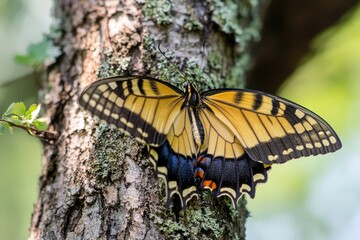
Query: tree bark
pixel 97 183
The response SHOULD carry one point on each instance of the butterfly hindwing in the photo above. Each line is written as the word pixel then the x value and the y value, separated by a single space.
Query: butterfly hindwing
pixel 223 165
pixel 143 107
pixel 271 129
pixel 174 160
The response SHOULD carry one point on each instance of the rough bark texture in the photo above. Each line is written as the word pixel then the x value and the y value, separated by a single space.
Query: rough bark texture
pixel 97 183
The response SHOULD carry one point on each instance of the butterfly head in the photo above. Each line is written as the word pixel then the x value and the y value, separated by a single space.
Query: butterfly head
pixel 192 95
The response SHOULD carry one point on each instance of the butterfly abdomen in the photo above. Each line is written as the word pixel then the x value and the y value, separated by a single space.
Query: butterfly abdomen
pixel 193 101
pixel 197 128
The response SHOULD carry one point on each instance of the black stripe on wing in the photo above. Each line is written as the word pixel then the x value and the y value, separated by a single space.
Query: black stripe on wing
pixel 144 108
pixel 271 129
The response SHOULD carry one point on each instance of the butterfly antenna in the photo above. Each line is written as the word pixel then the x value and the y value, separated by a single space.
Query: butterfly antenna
pixel 173 64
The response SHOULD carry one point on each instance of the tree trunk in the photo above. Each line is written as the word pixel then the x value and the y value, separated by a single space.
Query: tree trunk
pixel 97 183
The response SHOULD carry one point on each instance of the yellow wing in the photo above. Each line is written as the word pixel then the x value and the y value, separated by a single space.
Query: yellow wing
pixel 223 165
pixel 174 160
pixel 143 107
pixel 271 129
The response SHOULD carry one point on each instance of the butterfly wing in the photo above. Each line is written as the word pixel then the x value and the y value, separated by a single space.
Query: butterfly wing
pixel 271 129
pixel 151 111
pixel 223 165
pixel 174 160
pixel 143 107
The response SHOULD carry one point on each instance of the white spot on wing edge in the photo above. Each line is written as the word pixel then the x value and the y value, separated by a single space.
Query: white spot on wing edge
pixel 143 134
pixel 309 146
pixel 92 103
pixel 287 152
pixel 245 187
pixel 99 107
pixel 114 115
pixel 258 177
pixel 172 184
pixel 154 154
pixel 192 191
pixel 113 85
pixel 273 157
pixel 85 97
pixel 299 147
pixel 299 114
pixel 107 112
pixel 227 191
pixel 326 142
pixel 129 124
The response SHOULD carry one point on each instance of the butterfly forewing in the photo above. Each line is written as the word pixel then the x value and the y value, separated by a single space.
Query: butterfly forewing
pixel 145 108
pixel 271 129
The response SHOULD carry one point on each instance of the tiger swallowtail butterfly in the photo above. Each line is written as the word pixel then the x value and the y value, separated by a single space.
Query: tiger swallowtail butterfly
pixel 224 140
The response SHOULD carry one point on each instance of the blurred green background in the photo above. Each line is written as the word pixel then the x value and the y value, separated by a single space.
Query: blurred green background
pixel 21 22
pixel 311 198
pixel 319 197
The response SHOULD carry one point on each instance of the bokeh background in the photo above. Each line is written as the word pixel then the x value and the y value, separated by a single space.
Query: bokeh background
pixel 22 22
pixel 319 197
pixel 311 198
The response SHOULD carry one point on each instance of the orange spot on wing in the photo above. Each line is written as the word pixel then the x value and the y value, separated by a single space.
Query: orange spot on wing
pixel 199 174
pixel 210 184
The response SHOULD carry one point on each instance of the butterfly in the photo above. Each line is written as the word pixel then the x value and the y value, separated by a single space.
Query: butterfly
pixel 224 140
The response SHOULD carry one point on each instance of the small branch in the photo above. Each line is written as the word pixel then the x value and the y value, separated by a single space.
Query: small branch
pixel 46 136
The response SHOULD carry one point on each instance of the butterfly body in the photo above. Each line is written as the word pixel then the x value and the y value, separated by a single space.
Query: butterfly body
pixel 193 104
pixel 224 140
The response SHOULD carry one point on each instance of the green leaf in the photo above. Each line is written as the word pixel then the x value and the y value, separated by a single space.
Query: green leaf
pixel 14 119
pixel 9 110
pixel 40 124
pixel 17 108
pixel 32 112
pixel 17 115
